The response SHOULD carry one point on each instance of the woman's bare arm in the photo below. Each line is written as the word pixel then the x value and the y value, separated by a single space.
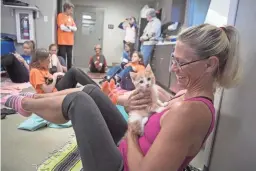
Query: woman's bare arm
pixel 179 132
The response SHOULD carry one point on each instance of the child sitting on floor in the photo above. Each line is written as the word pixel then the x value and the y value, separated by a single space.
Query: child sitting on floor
pixel 97 63
pixel 126 58
pixel 57 63
pixel 135 65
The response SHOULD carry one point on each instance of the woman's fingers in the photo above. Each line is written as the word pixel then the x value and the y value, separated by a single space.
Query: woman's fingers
pixel 139 107
pixel 139 95
pixel 141 102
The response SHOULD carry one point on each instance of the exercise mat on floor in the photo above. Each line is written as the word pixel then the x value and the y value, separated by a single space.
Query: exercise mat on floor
pixel 66 158
pixel 96 75
pixel 7 86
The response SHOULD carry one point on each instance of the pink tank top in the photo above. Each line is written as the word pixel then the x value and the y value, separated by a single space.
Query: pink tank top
pixel 153 127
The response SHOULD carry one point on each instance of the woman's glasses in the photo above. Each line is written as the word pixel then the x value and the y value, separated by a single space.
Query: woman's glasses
pixel 179 64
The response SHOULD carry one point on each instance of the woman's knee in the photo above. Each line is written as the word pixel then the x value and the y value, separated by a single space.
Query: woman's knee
pixel 73 70
pixel 75 100
pixel 90 88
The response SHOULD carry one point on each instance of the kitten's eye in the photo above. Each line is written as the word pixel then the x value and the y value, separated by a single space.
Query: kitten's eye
pixel 141 81
pixel 149 79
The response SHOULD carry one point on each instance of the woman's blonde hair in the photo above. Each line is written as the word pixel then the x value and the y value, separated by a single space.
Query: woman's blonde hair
pixel 38 55
pixel 223 42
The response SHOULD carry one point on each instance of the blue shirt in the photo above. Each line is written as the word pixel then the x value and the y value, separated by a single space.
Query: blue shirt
pixel 27 58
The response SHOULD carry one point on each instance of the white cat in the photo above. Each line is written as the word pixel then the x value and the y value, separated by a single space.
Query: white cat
pixel 145 81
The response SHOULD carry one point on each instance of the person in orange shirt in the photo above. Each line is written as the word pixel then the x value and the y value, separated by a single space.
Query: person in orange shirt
pixel 44 82
pixel 65 33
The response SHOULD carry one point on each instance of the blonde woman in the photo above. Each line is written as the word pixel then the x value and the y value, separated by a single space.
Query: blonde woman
pixel 204 56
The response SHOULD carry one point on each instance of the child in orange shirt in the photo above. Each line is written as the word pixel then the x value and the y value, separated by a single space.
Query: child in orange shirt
pixel 44 82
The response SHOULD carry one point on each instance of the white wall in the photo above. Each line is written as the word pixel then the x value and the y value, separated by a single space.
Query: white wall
pixel 115 11
pixel 218 12
pixel 234 146
pixel 45 31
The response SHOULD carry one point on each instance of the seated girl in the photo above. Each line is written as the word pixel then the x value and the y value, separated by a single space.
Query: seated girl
pixel 44 82
pixel 57 63
pixel 127 55
pixel 16 65
pixel 128 51
pixel 97 63
pixel 135 65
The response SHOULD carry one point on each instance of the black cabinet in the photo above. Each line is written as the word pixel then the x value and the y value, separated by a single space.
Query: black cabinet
pixel 160 63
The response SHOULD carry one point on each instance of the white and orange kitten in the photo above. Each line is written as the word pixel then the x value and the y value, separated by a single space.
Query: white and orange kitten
pixel 145 81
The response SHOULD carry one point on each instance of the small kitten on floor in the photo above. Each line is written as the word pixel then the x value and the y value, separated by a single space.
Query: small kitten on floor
pixel 145 81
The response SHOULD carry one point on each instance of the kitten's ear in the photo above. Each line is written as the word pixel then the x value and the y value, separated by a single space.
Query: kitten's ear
pixel 133 75
pixel 148 68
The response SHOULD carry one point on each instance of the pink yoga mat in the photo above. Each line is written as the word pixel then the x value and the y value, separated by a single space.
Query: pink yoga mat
pixel 8 87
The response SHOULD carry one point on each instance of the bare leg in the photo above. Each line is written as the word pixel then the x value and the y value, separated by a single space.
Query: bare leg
pixel 55 62
pixel 57 93
pixel 49 108
pixel 59 66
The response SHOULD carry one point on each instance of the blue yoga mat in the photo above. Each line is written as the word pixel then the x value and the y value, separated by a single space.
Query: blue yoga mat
pixel 122 111
pixel 35 122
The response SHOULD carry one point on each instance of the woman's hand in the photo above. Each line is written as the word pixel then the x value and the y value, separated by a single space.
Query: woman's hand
pixel 138 100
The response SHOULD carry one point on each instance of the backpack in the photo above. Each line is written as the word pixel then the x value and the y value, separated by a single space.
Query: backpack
pixel 126 82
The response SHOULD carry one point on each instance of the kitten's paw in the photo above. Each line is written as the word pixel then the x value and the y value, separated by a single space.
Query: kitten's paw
pixel 136 127
pixel 160 109
pixel 165 104
pixel 144 121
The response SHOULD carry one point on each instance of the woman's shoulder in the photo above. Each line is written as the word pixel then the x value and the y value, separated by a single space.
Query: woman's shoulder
pixel 181 92
pixel 193 114
pixel 194 110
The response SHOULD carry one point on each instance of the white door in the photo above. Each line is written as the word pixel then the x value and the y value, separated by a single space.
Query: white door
pixel 89 21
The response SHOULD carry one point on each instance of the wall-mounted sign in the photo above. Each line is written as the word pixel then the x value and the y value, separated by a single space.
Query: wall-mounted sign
pixel 110 26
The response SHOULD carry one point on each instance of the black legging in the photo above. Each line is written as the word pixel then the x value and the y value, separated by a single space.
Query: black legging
pixel 98 126
pixel 66 52
pixel 72 77
pixel 17 72
pixel 93 68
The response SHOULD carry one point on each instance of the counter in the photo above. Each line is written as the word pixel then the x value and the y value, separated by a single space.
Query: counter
pixel 165 43
pixel 160 64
